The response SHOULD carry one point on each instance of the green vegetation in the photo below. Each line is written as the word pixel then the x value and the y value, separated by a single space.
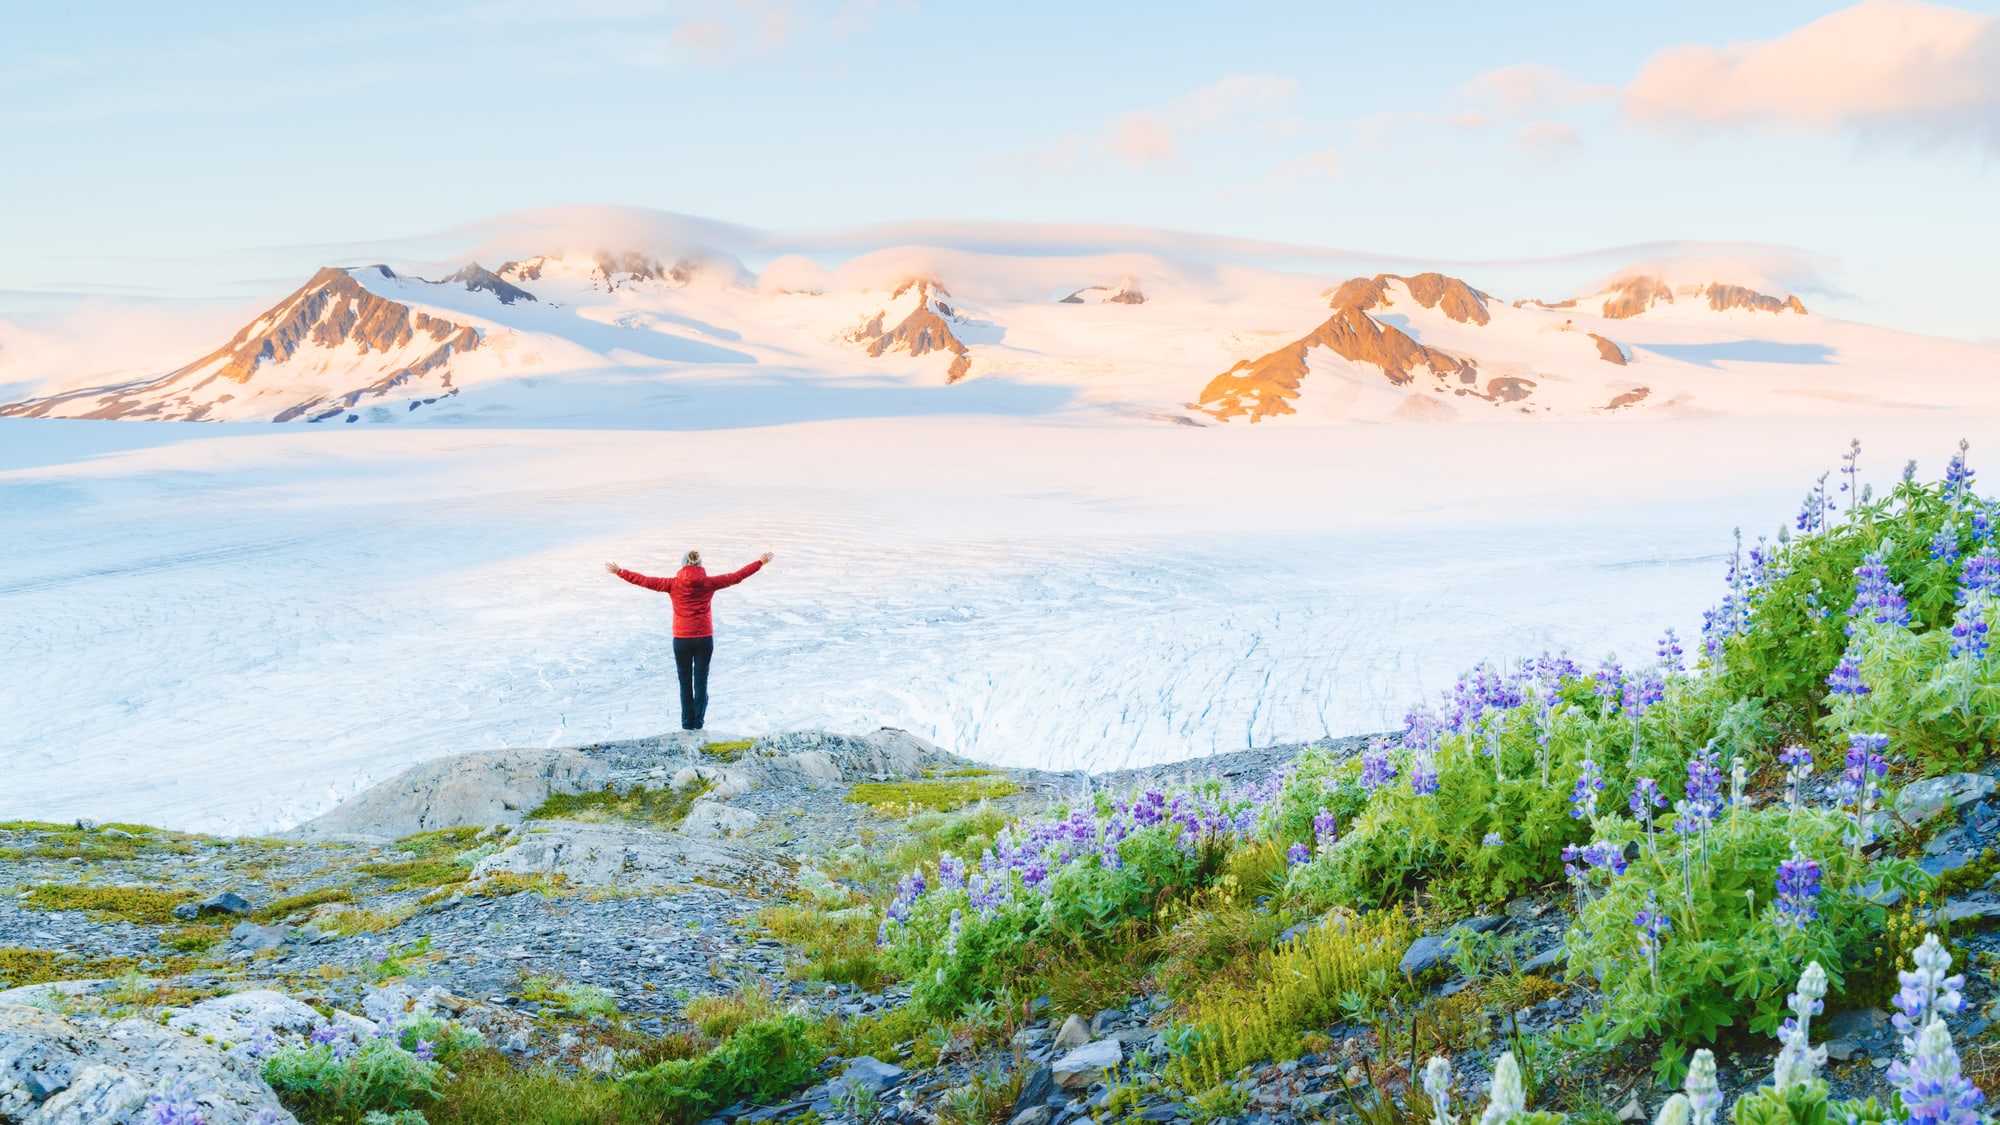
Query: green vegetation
pixel 663 808
pixel 728 751
pixel 762 1062
pixel 128 904
pixel 194 938
pixel 279 909
pixel 20 967
pixel 892 798
pixel 567 998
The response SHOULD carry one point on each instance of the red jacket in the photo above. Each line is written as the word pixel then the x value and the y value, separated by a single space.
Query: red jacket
pixel 691 589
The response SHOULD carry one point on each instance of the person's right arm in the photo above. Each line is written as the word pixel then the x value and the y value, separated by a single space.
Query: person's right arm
pixel 663 585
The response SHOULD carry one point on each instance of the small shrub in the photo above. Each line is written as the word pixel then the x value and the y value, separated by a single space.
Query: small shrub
pixel 839 945
pixel 486 1089
pixel 762 1062
pixel 439 843
pixel 719 1017
pixel 568 997
pixel 728 751
pixel 340 1082
pixel 409 874
pixel 1303 986
pixel 396 960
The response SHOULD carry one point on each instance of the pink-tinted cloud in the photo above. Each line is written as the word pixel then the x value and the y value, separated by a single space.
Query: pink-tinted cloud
pixel 1140 139
pixel 725 30
pixel 1548 138
pixel 1924 72
pixel 1511 93
pixel 1258 102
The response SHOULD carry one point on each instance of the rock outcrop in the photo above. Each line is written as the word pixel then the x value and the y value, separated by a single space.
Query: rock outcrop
pixel 1608 351
pixel 1268 385
pixel 492 787
pixel 478 279
pixel 926 329
pixel 1722 297
pixel 1634 295
pixel 629 856
pixel 331 311
pixel 1455 298
pixel 1127 294
pixel 57 1069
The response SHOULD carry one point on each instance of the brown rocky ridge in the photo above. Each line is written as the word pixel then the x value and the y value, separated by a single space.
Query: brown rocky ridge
pixel 1635 295
pixel 1266 386
pixel 925 330
pixel 1607 351
pixel 330 310
pixel 1124 295
pixel 478 279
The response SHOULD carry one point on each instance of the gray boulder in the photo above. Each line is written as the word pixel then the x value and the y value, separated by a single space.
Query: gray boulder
pixel 1074 1033
pixel 1425 954
pixel 59 1070
pixel 496 787
pixel 1087 1063
pixel 228 902
pixel 1919 801
pixel 243 1016
pixel 870 1073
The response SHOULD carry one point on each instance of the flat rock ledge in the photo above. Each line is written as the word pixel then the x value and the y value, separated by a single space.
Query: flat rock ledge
pixel 57 1069
pixel 494 787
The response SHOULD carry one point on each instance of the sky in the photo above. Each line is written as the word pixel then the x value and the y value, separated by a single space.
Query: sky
pixel 221 151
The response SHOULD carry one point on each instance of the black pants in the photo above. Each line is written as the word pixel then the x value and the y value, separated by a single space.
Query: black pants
pixel 691 661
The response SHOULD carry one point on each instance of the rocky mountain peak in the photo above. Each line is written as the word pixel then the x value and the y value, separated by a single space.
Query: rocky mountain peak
pixel 478 279
pixel 1459 301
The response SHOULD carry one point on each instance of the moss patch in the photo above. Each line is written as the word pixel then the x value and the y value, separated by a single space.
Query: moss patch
pixel 38 966
pixel 444 842
pixel 728 751
pixel 936 795
pixel 131 904
pixel 408 874
pixel 662 807
pixel 193 939
pixel 292 904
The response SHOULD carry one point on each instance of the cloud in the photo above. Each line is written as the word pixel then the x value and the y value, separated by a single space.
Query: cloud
pixel 1547 138
pixel 1882 67
pixel 1255 102
pixel 1511 93
pixel 721 31
pixel 1140 139
pixel 1324 164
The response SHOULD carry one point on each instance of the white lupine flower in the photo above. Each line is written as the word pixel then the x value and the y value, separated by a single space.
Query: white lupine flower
pixel 1508 1099
pixel 1674 1112
pixel 1704 1093
pixel 1437 1083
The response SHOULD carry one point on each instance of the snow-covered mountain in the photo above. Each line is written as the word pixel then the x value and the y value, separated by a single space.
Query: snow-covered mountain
pixel 642 338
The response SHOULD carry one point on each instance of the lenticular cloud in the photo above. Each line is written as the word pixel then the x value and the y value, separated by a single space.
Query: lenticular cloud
pixel 1882 67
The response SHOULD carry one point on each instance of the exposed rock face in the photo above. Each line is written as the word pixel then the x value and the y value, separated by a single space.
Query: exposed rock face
pixel 61 1070
pixel 479 279
pixel 628 266
pixel 1460 301
pixel 330 311
pixel 1105 295
pixel 496 787
pixel 1628 398
pixel 1608 351
pixel 1722 297
pixel 1265 386
pixel 1635 295
pixel 925 330
pixel 624 855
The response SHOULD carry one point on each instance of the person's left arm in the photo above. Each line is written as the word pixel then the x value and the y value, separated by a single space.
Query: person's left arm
pixel 735 576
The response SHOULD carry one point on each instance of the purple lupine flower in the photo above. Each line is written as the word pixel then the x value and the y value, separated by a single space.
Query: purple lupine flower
pixel 1652 921
pixel 1798 763
pixel 1297 855
pixel 1930 1084
pixel 1151 808
pixel 952 931
pixel 1608 684
pixel 322 1034
pixel 1846 677
pixel 1851 469
pixel 1670 652
pixel 426 1050
pixel 1982 525
pixel 1376 768
pixel 951 872
pixel 1862 782
pixel 1812 516
pixel 1798 890
pixel 1704 792
pixel 1640 691
pixel 1491 840
pixel 1877 598
pixel 1605 856
pixel 1944 545
pixel 1979 576
pixel 1969 630
pixel 1326 830
pixel 174 1105
pixel 1646 797
pixel 1958 476
pixel 1583 799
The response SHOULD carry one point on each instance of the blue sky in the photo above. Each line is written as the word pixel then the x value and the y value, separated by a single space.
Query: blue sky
pixel 227 148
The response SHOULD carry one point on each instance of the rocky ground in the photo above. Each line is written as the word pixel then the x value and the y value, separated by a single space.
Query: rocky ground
pixel 576 934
